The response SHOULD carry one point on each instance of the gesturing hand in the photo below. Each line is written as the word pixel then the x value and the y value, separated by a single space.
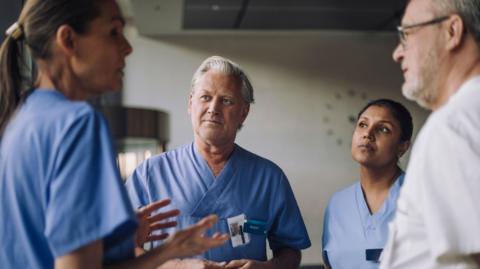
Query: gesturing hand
pixel 148 222
pixel 245 264
pixel 192 241
pixel 199 264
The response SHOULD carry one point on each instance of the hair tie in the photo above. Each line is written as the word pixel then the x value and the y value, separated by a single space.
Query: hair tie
pixel 15 31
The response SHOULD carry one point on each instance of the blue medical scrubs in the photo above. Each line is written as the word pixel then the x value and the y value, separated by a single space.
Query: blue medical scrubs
pixel 248 184
pixel 59 185
pixel 352 236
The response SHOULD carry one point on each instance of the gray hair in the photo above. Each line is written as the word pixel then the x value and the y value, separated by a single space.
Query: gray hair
pixel 468 10
pixel 227 67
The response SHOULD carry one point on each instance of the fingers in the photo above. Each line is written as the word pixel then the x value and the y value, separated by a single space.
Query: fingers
pixel 163 215
pixel 210 242
pixel 204 264
pixel 215 265
pixel 162 225
pixel 236 264
pixel 154 206
pixel 204 224
pixel 192 241
pixel 156 237
pixel 216 235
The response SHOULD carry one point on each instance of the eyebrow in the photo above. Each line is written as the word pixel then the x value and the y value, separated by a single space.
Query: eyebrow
pixel 382 121
pixel 386 121
pixel 363 118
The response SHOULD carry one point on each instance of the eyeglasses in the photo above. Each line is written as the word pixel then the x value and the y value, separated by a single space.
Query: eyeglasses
pixel 402 34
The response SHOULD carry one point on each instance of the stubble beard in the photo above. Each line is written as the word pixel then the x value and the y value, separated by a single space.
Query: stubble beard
pixel 422 89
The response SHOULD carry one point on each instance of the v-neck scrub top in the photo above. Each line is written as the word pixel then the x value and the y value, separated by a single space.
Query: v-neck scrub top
pixel 351 232
pixel 248 184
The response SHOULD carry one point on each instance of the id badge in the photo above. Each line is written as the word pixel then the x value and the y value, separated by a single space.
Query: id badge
pixel 238 236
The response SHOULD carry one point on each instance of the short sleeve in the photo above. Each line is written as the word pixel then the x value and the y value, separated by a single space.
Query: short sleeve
pixel 86 200
pixel 449 171
pixel 288 229
pixel 137 187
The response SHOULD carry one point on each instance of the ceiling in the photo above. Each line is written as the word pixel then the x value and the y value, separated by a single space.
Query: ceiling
pixel 183 17
pixel 157 17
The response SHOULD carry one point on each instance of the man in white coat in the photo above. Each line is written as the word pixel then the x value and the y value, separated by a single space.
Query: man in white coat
pixel 437 223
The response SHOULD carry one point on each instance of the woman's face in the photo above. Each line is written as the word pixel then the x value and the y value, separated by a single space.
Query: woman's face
pixel 376 138
pixel 101 52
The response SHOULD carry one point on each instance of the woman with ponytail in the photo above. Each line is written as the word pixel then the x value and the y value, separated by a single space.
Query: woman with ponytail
pixel 63 202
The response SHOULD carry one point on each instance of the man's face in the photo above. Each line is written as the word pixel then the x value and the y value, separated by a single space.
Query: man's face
pixel 217 108
pixel 419 54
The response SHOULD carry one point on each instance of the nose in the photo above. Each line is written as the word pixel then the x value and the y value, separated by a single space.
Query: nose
pixel 213 107
pixel 127 48
pixel 369 135
pixel 398 53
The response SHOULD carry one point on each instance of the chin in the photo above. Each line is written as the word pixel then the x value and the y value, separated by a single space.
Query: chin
pixel 416 94
pixel 211 135
pixel 360 158
pixel 410 91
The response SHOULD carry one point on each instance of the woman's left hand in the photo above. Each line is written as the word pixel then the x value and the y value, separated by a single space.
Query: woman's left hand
pixel 148 222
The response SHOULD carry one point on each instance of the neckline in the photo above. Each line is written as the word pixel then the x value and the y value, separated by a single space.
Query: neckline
pixel 362 201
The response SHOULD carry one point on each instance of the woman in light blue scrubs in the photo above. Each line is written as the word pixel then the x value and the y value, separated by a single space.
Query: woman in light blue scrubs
pixel 355 221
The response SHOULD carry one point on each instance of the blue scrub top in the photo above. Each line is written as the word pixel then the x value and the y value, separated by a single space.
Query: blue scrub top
pixel 59 185
pixel 351 232
pixel 248 184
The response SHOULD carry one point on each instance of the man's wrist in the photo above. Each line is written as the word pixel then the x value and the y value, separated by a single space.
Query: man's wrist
pixel 271 264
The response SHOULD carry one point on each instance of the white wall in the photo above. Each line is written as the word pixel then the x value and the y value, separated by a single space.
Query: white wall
pixel 306 88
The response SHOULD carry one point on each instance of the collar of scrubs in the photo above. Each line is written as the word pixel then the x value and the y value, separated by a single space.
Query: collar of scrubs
pixel 42 98
pixel 202 164
pixel 48 93
pixel 216 185
pixel 372 221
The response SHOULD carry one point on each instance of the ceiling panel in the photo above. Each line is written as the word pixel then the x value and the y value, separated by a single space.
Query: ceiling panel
pixel 173 17
pixel 363 4
pixel 211 16
pixel 378 15
pixel 313 19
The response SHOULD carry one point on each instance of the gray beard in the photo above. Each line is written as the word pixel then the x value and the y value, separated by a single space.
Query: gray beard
pixel 422 90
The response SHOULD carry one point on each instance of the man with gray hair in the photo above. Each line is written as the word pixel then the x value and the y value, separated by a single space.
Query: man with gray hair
pixel 437 223
pixel 250 195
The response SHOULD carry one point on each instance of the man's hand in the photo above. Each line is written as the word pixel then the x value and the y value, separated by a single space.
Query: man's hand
pixel 284 258
pixel 147 223
pixel 247 264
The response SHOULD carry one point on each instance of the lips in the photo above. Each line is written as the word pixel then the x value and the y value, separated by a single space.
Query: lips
pixel 120 70
pixel 367 147
pixel 212 121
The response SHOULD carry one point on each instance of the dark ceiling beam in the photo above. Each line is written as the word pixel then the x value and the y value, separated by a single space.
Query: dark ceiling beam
pixel 241 14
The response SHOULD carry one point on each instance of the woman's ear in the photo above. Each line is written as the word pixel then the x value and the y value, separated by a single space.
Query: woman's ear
pixel 66 39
